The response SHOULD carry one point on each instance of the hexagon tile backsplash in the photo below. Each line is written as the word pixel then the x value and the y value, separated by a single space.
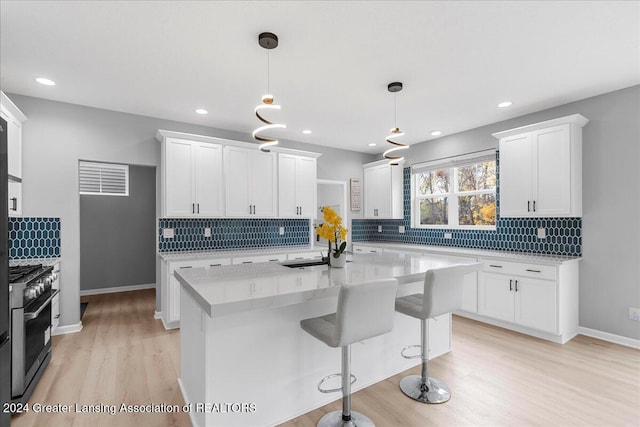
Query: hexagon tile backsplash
pixel 563 235
pixel 34 237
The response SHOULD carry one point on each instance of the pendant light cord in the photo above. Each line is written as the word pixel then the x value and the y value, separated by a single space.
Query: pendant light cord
pixel 268 71
pixel 395 110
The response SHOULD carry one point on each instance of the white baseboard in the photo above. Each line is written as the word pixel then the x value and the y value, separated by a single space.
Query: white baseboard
pixel 606 336
pixel 116 289
pixel 67 329
pixel 157 315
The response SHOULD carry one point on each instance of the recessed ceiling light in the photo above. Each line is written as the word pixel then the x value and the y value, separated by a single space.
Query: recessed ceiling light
pixel 45 82
pixel 436 132
pixel 202 111
pixel 373 144
pixel 306 131
pixel 504 104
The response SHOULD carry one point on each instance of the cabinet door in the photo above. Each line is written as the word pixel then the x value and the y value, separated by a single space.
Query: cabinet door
pixel 535 304
pixel 369 193
pixel 174 299
pixel 287 203
pixel 552 176
pixel 377 192
pixel 208 181
pixel 15 198
pixel 495 299
pixel 237 164
pixel 263 173
pixel 179 178
pixel 14 145
pixel 306 186
pixel 516 176
pixel 470 292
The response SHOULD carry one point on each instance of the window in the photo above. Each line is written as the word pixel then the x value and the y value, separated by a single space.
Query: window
pixel 459 192
pixel 105 179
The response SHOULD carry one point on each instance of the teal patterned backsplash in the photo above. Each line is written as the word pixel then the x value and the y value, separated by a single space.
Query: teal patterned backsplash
pixel 34 237
pixel 231 233
pixel 564 235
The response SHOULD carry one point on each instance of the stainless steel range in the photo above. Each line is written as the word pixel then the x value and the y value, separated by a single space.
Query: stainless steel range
pixel 32 289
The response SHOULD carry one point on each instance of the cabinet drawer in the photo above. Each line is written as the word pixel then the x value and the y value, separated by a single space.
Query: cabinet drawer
pixel 308 255
pixel 259 258
pixel 200 263
pixel 547 272
pixel 360 249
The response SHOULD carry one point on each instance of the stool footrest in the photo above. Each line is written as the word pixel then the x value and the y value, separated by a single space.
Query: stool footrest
pixel 333 390
pixel 413 356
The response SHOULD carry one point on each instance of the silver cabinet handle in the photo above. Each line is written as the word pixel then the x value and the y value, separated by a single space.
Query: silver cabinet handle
pixel 528 205
pixel 193 208
pixel 495 266
pixel 247 262
pixel 516 286
pixel 249 209
pixel 533 271
pixel 14 202
pixel 188 266
pixel 510 285
pixel 198 207
pixel 215 265
pixel 534 205
pixel 300 210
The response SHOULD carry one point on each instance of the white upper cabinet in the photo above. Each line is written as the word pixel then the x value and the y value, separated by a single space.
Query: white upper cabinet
pixel 541 169
pixel 382 190
pixel 14 118
pixel 250 181
pixel 204 176
pixel 192 173
pixel 297 186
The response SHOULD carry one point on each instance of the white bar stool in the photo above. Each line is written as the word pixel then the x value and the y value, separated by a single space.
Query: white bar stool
pixel 442 294
pixel 365 310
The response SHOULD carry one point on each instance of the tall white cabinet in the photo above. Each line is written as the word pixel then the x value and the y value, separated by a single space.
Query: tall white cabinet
pixel 297 186
pixel 382 190
pixel 14 118
pixel 541 169
pixel 250 182
pixel 193 183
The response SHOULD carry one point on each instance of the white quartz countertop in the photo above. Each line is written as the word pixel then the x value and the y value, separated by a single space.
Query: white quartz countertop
pixel 484 253
pixel 46 262
pixel 189 255
pixel 235 288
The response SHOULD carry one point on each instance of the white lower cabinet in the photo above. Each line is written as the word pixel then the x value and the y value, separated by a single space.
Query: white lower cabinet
pixel 540 298
pixel 170 287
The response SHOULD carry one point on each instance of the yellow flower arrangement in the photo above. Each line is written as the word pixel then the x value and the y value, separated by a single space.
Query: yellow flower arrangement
pixel 333 231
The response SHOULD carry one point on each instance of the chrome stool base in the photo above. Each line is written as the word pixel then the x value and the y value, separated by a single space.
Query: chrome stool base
pixel 334 419
pixel 433 391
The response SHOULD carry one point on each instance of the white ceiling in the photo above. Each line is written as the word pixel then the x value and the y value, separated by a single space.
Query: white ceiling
pixel 457 60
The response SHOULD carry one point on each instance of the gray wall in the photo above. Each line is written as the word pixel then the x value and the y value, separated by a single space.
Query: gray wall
pixel 118 235
pixel 56 135
pixel 609 270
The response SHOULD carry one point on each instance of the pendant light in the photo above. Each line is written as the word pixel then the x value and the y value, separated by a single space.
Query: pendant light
pixel 268 41
pixel 394 159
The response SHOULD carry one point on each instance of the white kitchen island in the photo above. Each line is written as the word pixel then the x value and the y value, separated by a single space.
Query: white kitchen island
pixel 244 361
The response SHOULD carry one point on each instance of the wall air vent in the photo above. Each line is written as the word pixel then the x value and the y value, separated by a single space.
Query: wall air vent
pixel 106 179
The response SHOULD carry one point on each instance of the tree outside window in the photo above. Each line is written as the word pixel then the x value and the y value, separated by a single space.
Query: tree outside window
pixel 462 196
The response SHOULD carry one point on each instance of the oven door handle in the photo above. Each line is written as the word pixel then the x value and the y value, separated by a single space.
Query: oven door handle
pixel 33 315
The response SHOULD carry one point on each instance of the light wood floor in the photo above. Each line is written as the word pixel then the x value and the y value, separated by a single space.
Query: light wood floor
pixel 497 377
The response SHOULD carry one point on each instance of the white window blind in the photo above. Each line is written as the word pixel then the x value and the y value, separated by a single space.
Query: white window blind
pixel 106 179
pixel 449 162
